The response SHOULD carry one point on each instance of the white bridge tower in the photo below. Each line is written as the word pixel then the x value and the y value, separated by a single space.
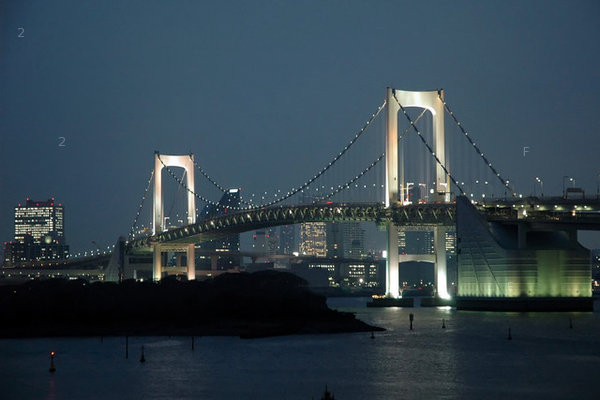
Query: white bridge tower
pixel 395 191
pixel 186 162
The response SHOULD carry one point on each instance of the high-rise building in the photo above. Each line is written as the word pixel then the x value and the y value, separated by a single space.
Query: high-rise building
pixel 265 241
pixel 43 220
pixel 313 239
pixel 39 233
pixel 287 239
pixel 345 240
pixel 229 202
pixel 313 235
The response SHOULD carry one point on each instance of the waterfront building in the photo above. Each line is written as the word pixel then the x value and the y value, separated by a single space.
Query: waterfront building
pixel 364 274
pixel 347 273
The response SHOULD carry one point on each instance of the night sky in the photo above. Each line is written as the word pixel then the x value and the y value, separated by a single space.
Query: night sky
pixel 265 93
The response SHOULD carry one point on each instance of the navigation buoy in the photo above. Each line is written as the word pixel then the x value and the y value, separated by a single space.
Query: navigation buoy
pixel 443 323
pixel 411 317
pixel 372 335
pixel 570 323
pixel 142 358
pixel 52 367
pixel 509 334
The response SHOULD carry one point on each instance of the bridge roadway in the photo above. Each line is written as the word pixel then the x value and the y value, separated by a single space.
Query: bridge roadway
pixel 248 220
pixel 556 213
pixel 552 212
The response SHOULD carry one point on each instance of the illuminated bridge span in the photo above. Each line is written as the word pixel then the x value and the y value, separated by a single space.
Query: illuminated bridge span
pixel 495 237
pixel 248 220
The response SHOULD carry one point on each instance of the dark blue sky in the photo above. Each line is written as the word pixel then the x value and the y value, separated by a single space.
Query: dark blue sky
pixel 252 87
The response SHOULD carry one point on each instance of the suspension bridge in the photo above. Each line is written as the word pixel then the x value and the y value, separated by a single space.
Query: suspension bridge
pixel 499 247
pixel 401 171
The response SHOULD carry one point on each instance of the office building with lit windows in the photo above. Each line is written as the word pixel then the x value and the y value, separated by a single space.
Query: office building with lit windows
pixel 39 233
pixel 313 239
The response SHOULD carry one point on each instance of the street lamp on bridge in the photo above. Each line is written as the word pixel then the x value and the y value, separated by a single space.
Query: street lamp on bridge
pixel 541 182
pixel 570 180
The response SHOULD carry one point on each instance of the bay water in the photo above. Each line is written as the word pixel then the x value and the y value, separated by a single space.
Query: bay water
pixel 549 356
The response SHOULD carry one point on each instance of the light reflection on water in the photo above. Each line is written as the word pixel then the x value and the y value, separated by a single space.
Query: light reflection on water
pixel 470 359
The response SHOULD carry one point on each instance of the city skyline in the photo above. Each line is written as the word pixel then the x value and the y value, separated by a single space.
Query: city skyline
pixel 249 89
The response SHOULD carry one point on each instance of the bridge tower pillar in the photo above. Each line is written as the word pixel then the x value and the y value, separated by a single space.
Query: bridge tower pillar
pixel 157 262
pixel 396 191
pixel 392 275
pixel 430 100
pixel 191 261
pixel 187 163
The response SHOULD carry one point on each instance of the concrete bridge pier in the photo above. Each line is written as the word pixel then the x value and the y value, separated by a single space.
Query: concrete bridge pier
pixel 438 259
pixel 187 248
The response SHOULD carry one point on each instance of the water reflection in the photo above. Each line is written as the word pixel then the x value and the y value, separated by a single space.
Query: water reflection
pixel 470 358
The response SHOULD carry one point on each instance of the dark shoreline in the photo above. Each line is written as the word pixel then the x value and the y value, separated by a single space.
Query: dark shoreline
pixel 343 323
pixel 255 305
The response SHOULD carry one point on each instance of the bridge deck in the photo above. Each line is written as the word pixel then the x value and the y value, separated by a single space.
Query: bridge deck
pixel 248 220
pixel 583 214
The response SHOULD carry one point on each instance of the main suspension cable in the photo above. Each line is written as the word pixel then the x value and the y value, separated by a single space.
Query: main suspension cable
pixel 328 166
pixel 137 215
pixel 409 128
pixel 488 163
pixel 199 197
pixel 293 191
pixel 211 180
pixel 221 188
pixel 351 181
